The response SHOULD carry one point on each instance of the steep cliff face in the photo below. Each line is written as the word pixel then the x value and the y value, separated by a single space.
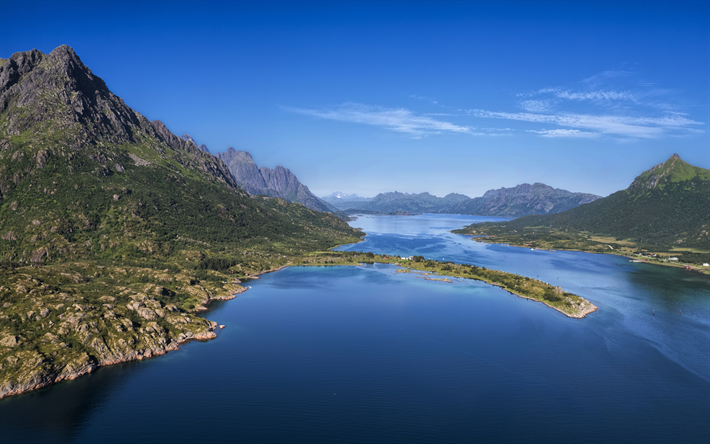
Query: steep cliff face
pixel 277 182
pixel 522 200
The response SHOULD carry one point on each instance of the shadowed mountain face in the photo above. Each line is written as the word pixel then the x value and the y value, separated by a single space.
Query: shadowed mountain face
pixel 668 204
pixel 277 182
pixel 522 200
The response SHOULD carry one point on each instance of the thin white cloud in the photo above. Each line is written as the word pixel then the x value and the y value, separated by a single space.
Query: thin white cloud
pixel 596 95
pixel 431 100
pixel 565 133
pixel 396 119
pixel 536 106
pixel 593 94
pixel 625 126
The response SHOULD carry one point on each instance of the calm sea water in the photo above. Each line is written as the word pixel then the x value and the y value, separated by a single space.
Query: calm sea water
pixel 364 354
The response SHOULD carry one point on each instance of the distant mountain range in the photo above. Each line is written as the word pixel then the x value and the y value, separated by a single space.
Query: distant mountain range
pixel 277 182
pixel 338 197
pixel 517 201
pixel 522 200
pixel 394 202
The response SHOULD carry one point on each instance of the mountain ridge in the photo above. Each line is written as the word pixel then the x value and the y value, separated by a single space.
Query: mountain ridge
pixel 665 207
pixel 522 200
pixel 277 182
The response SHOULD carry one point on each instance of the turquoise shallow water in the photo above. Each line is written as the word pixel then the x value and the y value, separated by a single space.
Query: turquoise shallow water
pixel 353 354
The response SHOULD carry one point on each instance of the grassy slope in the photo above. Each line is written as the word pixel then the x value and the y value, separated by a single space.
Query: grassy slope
pixel 666 211
pixel 101 263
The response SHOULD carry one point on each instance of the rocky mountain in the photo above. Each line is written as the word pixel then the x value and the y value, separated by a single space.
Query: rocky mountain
pixel 394 202
pixel 521 200
pixel 667 206
pixel 188 138
pixel 277 182
pixel 114 231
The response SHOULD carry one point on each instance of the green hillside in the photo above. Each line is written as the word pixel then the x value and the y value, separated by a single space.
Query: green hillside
pixel 113 231
pixel 666 209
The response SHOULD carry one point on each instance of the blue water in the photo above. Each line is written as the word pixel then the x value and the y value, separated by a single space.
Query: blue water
pixel 364 354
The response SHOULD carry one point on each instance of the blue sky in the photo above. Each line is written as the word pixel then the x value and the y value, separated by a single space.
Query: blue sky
pixel 368 97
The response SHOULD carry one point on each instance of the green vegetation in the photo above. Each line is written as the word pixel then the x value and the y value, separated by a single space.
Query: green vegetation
pixel 114 232
pixel 105 262
pixel 570 239
pixel 665 212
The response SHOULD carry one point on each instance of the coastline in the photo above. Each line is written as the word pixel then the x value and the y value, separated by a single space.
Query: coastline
pixel 153 347
pixel 695 268
pixel 588 306
pixel 159 346
pixel 42 381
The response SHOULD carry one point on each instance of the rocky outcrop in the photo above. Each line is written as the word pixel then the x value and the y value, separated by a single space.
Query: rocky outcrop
pixel 41 375
pixel 202 147
pixel 75 333
pixel 522 200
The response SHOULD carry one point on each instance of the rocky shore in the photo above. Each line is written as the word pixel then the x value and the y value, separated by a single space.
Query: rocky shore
pixel 85 364
pixel 51 333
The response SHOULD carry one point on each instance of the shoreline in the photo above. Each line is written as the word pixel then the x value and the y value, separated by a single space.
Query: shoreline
pixel 43 381
pixel 695 268
pixel 581 315
pixel 10 389
pixel 139 355
pixel 591 308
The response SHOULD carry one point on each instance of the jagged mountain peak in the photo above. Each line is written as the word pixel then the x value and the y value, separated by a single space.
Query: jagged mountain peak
pixel 188 138
pixel 86 116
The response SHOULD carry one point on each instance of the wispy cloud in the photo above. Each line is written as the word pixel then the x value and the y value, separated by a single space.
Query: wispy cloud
pixel 396 119
pixel 625 126
pixel 565 133
pixel 595 95
pixel 431 100
pixel 536 106
pixel 611 103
